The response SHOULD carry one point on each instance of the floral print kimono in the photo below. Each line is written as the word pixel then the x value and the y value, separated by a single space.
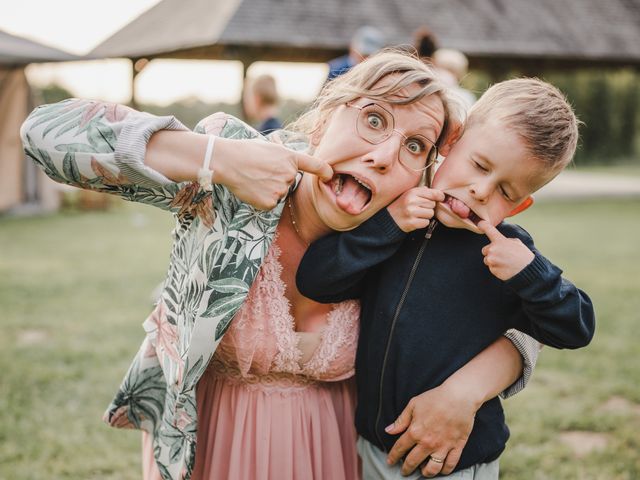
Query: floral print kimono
pixel 219 244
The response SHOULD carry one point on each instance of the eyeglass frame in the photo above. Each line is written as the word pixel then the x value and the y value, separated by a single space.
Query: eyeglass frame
pixel 434 147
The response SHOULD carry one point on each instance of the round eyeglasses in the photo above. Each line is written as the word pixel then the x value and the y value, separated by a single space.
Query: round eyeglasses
pixel 375 124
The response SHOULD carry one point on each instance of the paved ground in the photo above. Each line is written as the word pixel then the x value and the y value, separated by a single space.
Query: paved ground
pixel 572 184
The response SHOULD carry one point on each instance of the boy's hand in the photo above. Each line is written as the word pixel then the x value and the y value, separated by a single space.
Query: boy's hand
pixel 504 256
pixel 415 208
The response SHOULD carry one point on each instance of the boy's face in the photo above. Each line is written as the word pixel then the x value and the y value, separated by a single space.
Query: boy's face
pixel 487 174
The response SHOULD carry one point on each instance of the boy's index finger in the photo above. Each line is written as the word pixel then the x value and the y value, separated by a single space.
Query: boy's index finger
pixel 490 231
pixel 307 163
pixel 431 193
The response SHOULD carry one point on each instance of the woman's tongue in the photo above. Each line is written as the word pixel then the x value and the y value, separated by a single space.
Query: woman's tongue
pixel 459 208
pixel 353 196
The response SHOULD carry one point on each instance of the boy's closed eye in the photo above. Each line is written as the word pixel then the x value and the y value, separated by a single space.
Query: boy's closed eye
pixel 505 194
pixel 479 165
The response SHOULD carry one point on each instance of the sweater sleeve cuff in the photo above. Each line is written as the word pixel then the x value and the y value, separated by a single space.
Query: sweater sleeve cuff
pixel 538 268
pixel 132 145
pixel 385 222
pixel 529 348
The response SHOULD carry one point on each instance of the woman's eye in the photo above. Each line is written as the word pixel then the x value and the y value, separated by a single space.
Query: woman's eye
pixel 374 120
pixel 415 146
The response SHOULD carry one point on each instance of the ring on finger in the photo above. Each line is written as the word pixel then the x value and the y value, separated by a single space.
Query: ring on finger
pixel 436 459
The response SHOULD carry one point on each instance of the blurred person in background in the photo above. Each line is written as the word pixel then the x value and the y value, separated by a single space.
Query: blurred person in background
pixel 260 103
pixel 453 66
pixel 365 42
pixel 425 43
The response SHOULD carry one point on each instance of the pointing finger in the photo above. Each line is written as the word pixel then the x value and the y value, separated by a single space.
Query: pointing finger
pixel 314 165
pixel 490 231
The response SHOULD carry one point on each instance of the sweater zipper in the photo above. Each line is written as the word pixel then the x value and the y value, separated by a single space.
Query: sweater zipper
pixel 396 314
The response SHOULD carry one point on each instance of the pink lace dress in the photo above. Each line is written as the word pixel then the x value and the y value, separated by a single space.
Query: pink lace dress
pixel 269 406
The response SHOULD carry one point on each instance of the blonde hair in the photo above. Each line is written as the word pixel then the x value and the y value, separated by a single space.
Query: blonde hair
pixel 453 61
pixel 264 88
pixel 363 80
pixel 538 112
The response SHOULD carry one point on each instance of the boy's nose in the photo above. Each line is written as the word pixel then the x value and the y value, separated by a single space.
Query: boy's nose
pixel 480 191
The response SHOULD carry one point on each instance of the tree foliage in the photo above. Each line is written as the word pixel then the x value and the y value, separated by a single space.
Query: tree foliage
pixel 608 104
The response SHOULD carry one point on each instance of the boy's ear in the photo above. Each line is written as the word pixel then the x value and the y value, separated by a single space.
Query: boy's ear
pixel 455 132
pixel 522 207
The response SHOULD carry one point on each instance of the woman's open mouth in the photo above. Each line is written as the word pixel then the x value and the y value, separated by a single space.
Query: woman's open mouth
pixel 352 194
pixel 461 209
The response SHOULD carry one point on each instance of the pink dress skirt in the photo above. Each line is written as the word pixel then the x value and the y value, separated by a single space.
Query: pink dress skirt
pixel 267 410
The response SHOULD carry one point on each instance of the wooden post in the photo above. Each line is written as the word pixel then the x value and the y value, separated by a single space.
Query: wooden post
pixel 134 100
pixel 246 63
pixel 137 65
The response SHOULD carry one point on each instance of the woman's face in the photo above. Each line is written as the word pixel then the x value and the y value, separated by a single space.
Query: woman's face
pixel 368 177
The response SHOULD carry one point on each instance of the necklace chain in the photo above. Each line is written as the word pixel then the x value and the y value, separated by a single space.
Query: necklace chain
pixel 293 221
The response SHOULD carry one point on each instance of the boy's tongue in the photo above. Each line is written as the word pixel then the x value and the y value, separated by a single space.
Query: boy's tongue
pixel 353 196
pixel 459 208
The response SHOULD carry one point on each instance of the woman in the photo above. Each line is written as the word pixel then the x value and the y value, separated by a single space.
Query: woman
pixel 276 399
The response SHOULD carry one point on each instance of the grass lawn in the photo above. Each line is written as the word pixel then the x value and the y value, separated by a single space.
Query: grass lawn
pixel 75 287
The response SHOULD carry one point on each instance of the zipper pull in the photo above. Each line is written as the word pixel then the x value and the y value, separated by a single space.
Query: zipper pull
pixel 430 228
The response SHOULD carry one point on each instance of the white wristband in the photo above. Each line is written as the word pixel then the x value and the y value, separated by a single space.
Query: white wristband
pixel 205 174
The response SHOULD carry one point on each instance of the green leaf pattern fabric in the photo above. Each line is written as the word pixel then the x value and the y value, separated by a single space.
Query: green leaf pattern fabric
pixel 218 246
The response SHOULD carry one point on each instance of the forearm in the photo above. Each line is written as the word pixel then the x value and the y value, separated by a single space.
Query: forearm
pixel 554 311
pixel 99 146
pixel 489 373
pixel 529 349
pixel 180 155
pixel 177 155
pixel 333 268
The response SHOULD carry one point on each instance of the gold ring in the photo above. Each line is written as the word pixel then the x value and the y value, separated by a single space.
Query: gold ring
pixel 436 459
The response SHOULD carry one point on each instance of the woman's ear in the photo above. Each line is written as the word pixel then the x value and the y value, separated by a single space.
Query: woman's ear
pixel 455 132
pixel 522 207
pixel 317 133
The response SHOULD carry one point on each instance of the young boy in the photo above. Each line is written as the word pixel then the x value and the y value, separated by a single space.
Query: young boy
pixel 434 298
pixel 260 103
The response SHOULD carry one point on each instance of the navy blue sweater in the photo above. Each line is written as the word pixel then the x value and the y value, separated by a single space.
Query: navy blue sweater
pixel 429 305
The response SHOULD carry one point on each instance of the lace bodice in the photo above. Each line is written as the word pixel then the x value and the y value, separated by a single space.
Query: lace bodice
pixel 262 339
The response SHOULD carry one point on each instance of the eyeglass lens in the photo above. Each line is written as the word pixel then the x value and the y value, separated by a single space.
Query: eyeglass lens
pixel 375 125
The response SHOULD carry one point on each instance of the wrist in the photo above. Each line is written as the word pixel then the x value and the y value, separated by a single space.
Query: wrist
pixel 387 224
pixel 394 213
pixel 523 262
pixel 464 391
pixel 205 174
pixel 539 269
pixel 219 161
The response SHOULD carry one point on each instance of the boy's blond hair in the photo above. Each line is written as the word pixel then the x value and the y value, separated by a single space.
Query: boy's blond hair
pixel 363 80
pixel 538 112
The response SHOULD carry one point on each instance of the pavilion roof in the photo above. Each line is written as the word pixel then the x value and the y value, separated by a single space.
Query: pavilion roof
pixel 573 32
pixel 16 51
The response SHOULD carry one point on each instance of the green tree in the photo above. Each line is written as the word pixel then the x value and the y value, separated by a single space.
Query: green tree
pixel 53 93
